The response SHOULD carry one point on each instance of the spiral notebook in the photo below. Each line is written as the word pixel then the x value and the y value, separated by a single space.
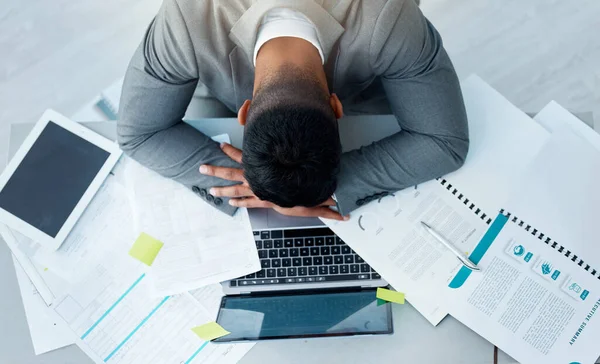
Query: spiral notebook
pixel 556 200
pixel 109 100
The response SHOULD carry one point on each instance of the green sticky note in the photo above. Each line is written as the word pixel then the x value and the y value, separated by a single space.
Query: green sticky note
pixel 145 249
pixel 381 302
pixel 390 296
pixel 210 331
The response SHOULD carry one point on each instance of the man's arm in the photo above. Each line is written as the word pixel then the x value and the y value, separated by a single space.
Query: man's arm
pixel 157 90
pixel 424 95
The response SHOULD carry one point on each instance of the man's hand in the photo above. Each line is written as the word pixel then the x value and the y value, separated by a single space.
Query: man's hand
pixel 242 196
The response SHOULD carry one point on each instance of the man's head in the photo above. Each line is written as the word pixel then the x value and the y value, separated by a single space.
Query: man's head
pixel 292 150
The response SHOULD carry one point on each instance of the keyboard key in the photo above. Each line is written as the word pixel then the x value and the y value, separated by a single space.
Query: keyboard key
pixel 363 276
pixel 317 260
pixel 278 243
pixel 300 280
pixel 312 271
pixel 307 261
pixel 358 259
pixel 288 243
pixel 296 262
pixel 338 259
pixel 287 262
pixel 271 273
pixel 334 278
pixel 304 252
pixel 336 250
pixel 309 241
pixel 276 234
pixel 268 244
pixel 273 254
pixel 302 271
pixel 262 254
pixel 258 244
pixel 265 235
pixel 330 240
pixel 251 275
pixel 283 253
pixel 346 250
pixel 354 268
pixel 232 283
pixel 323 269
pixel 333 269
pixel 344 269
pixel 294 252
pixel 319 241
pixel 298 243
pixel 275 263
pixel 281 272
pixel 375 276
pixel 290 280
pixel 256 233
pixel 364 268
pixel 339 241
pixel 373 270
pixel 310 279
pixel 349 259
pixel 328 260
pixel 265 263
pixel 325 250
pixel 291 272
pixel 314 251
pixel 261 274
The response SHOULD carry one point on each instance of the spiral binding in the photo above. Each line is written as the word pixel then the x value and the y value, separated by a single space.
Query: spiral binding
pixel 552 243
pixel 462 198
pixel 538 234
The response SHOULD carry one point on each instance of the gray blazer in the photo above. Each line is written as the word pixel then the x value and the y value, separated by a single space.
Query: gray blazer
pixel 378 52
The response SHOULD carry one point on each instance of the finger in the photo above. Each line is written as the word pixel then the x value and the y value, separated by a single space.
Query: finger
pixel 232 152
pixel 232 191
pixel 327 213
pixel 230 174
pixel 329 202
pixel 251 203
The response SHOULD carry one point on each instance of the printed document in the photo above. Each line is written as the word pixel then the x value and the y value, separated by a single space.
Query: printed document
pixel 202 246
pixel 529 300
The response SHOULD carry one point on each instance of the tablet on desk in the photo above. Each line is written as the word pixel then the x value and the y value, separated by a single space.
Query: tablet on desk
pixel 53 177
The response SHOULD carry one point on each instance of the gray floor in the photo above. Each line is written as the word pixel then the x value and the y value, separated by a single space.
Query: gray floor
pixel 61 53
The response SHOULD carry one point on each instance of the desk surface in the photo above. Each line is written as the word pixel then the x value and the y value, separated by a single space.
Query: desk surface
pixel 414 340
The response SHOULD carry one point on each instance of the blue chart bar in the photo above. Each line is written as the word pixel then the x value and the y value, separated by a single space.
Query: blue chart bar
pixel 112 307
pixel 136 329
pixel 196 353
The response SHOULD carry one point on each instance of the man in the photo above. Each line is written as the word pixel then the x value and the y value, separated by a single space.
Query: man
pixel 290 69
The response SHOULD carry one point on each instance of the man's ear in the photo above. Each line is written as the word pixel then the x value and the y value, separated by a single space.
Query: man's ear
pixel 243 112
pixel 336 105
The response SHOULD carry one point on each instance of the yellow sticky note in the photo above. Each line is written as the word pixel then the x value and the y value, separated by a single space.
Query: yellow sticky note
pixel 210 331
pixel 145 249
pixel 390 296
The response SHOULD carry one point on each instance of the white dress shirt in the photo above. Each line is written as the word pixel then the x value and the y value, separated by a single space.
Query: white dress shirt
pixel 284 22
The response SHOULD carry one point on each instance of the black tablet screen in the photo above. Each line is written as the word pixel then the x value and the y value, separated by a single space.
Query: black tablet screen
pixel 52 178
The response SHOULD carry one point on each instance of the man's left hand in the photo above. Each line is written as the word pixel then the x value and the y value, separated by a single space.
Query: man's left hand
pixel 242 196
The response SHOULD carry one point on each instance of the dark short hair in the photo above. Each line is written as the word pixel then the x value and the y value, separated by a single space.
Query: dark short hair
pixel 292 149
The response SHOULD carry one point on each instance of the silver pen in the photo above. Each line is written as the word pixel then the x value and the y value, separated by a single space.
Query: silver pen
pixel 462 257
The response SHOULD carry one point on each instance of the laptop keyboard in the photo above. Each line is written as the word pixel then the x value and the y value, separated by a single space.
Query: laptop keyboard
pixel 305 256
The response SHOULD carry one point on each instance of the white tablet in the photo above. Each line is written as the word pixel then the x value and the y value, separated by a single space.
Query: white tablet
pixel 53 177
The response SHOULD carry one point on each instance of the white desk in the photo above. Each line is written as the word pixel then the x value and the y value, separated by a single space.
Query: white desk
pixel 414 341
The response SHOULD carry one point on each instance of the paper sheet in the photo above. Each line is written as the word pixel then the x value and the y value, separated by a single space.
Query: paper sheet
pixel 117 320
pixel 201 245
pixel 47 331
pixel 529 300
pixel 389 236
pixel 559 194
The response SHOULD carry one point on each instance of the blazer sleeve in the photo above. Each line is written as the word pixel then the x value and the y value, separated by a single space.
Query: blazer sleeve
pixel 424 94
pixel 159 84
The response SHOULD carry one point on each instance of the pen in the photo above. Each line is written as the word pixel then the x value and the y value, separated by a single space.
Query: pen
pixel 462 257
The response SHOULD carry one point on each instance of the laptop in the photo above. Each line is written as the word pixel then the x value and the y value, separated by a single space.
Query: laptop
pixel 311 285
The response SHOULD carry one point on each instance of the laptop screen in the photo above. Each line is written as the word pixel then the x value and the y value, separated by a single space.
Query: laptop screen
pixel 303 315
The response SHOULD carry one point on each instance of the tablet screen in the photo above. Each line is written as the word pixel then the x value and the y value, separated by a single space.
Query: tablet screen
pixel 52 178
